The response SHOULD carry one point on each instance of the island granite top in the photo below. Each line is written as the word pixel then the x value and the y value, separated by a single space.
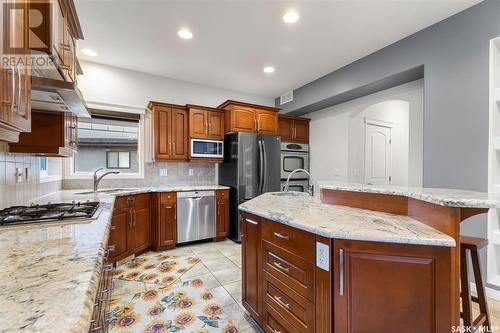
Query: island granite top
pixel 438 196
pixel 301 211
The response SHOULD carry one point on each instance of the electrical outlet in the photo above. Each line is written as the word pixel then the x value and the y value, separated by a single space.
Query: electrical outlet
pixel 163 172
pixel 19 175
pixel 191 172
pixel 323 256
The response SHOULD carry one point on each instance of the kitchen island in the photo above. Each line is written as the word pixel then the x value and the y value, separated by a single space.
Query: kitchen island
pixel 356 259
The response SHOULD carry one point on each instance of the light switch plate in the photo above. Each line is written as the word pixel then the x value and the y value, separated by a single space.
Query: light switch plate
pixel 163 172
pixel 323 256
pixel 19 175
pixel 191 172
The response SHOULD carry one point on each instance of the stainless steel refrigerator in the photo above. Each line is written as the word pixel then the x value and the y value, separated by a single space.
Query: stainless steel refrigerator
pixel 251 167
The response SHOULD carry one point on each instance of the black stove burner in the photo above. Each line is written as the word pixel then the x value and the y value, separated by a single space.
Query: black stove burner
pixel 48 212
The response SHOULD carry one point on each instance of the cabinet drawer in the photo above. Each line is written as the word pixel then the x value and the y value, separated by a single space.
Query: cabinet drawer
pixel 273 322
pixel 168 197
pixel 222 194
pixel 120 203
pixel 288 303
pixel 291 239
pixel 141 201
pixel 290 269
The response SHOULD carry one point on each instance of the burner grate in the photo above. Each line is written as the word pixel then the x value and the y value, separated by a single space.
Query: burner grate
pixel 48 212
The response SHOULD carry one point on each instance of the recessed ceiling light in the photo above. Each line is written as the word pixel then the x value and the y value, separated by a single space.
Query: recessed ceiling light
pixel 89 52
pixel 291 17
pixel 185 34
pixel 268 69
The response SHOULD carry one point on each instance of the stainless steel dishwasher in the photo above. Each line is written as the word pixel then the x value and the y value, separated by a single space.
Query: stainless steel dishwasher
pixel 195 215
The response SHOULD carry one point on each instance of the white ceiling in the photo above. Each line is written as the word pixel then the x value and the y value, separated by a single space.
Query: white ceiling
pixel 234 39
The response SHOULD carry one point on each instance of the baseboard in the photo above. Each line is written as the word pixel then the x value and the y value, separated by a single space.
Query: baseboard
pixel 490 292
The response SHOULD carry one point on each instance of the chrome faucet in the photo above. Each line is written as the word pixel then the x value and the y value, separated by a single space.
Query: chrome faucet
pixel 98 179
pixel 311 187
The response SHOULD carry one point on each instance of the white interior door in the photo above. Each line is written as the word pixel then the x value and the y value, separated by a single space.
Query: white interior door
pixel 377 153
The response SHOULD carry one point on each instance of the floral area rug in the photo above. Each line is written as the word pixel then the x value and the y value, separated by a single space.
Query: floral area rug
pixel 181 307
pixel 155 268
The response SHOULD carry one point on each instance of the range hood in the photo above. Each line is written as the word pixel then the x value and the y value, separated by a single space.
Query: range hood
pixel 50 92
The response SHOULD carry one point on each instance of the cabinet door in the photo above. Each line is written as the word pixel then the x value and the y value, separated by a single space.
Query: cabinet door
pixel 216 125
pixel 118 234
pixel 168 219
pixel 243 119
pixel 222 227
pixel 198 123
pixel 140 228
pixel 391 288
pixel 179 134
pixel 251 265
pixel 301 131
pixel 267 121
pixel 285 129
pixel 162 123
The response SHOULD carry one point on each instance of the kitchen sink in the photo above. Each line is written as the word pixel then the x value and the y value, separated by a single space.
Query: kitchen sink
pixel 110 191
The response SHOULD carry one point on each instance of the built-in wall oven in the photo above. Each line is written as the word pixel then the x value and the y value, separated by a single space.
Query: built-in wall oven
pixel 294 156
pixel 207 148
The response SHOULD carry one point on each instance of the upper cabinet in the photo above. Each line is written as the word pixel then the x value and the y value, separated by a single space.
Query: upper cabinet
pixel 205 122
pixel 245 117
pixel 170 132
pixel 52 134
pixel 15 84
pixel 293 129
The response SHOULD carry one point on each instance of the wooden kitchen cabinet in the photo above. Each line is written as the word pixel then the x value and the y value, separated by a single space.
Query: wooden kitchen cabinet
pixel 384 287
pixel 15 79
pixel 293 129
pixel 165 226
pixel 205 122
pixel 53 134
pixel 245 117
pixel 251 265
pixel 222 220
pixel 130 225
pixel 170 132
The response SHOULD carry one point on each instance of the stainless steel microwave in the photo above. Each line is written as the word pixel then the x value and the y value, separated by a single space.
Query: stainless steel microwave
pixel 207 148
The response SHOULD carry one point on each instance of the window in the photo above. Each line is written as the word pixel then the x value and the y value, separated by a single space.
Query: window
pixel 118 159
pixel 43 166
pixel 105 142
pixel 50 169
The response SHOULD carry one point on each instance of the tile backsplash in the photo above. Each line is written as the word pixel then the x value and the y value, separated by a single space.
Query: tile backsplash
pixel 177 174
pixel 13 193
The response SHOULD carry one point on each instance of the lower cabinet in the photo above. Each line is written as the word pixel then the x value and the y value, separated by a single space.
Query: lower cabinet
pixel 385 287
pixel 251 265
pixel 165 225
pixel 222 217
pixel 130 225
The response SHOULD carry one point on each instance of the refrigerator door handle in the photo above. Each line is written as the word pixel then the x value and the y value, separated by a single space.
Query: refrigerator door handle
pixel 261 166
pixel 264 173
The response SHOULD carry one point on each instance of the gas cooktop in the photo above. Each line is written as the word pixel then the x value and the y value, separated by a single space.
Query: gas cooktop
pixel 48 212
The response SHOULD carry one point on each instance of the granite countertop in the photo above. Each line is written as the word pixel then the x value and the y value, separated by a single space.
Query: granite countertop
pixel 301 211
pixel 438 196
pixel 50 271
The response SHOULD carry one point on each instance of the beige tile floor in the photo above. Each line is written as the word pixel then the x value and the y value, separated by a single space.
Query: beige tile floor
pixel 220 269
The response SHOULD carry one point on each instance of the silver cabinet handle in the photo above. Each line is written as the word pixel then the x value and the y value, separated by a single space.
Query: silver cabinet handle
pixel 280 266
pixel 276 331
pixel 19 86
pixel 280 301
pixel 280 235
pixel 341 277
pixel 252 222
pixel 110 248
pixel 13 78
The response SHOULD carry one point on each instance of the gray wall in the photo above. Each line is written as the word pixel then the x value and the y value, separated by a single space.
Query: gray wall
pixel 455 56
